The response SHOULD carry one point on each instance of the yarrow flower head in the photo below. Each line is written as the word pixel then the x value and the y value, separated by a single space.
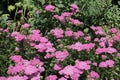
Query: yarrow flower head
pixel 113 30
pixel 26 25
pixel 16 58
pixel 18 37
pixel 69 33
pixel 57 32
pixel 51 77
pixel 82 65
pixel 70 71
pixel 61 55
pixel 94 75
pixel 107 63
pixel 49 8
pixel 74 8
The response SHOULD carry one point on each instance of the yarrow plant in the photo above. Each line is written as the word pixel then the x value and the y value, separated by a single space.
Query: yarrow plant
pixel 62 53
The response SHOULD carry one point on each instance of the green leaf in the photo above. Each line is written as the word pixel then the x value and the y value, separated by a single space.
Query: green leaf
pixel 11 8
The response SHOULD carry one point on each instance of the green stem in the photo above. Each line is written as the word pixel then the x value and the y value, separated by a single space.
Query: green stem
pixel 15 14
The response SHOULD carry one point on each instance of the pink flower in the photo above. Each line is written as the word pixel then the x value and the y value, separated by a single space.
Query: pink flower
pixel 87 38
pixel 74 8
pixel 2 78
pixel 96 40
pixel 88 46
pixel 80 33
pixel 66 14
pixel 70 71
pixel 13 34
pixel 6 30
pixel 43 40
pixel 32 44
pixel 62 78
pixel 103 50
pixel 75 77
pixel 113 30
pixel 16 58
pixel 103 65
pixel 35 31
pixel 20 37
pixel 107 63
pixel 35 61
pixel 98 30
pixel 49 8
pixel 94 75
pixel 110 63
pixel 61 19
pixel 116 37
pixel 29 69
pixel 26 25
pixel 102 44
pixel 94 63
pixel 69 33
pixel 111 50
pixel 56 16
pixel 75 22
pixel 37 12
pixel 34 37
pixel 1 29
pixel 57 67
pixel 35 76
pixel 57 32
pixel 48 55
pixel 18 68
pixel 20 11
pixel 61 55
pixel 40 47
pixel 17 77
pixel 76 46
pixel 118 55
pixel 16 49
pixel 82 65
pixel 51 77
pixel 104 56
pixel 50 49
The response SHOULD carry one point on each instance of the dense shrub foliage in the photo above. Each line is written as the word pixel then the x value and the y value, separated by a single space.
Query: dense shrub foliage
pixel 59 40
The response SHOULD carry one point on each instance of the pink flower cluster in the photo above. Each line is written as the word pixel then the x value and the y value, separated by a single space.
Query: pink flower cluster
pixel 107 63
pixel 98 30
pixel 30 69
pixel 49 8
pixel 74 8
pixel 79 46
pixel 60 56
pixel 106 41
pixel 113 30
pixel 66 16
pixel 40 43
pixel 18 37
pixel 57 32
pixel 116 36
pixel 71 71
pixel 75 71
pixel 51 77
pixel 94 75
pixel 4 30
pixel 109 50
pixel 82 65
pixel 26 25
